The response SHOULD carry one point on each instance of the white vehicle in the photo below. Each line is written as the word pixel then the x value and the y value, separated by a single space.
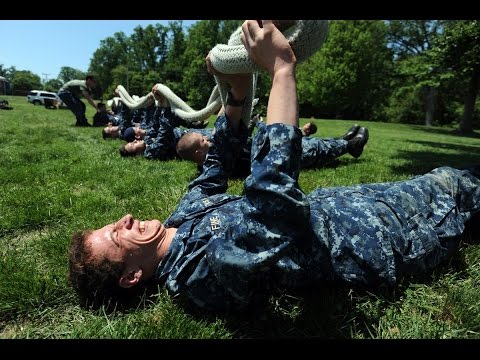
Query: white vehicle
pixel 37 97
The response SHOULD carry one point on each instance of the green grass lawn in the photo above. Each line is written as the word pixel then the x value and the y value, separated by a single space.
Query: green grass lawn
pixel 56 178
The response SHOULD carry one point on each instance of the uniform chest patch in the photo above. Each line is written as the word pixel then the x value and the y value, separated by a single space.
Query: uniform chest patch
pixel 215 222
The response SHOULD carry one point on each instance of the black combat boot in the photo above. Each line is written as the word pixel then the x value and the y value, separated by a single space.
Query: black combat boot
pixel 350 133
pixel 355 144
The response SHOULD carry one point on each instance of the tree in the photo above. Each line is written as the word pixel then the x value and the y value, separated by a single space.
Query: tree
pixel 68 73
pixel 148 47
pixel 7 73
pixel 174 66
pixel 202 37
pixel 119 77
pixel 113 51
pixel 459 49
pixel 348 77
pixel 24 80
pixel 142 53
pixel 161 53
pixel 53 85
pixel 411 41
pixel 137 84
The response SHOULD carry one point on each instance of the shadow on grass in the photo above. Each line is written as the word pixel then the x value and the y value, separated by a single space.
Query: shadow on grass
pixel 448 131
pixel 337 163
pixel 322 312
pixel 332 311
pixel 420 162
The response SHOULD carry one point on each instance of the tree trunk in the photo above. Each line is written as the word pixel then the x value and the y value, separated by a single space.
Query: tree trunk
pixel 466 125
pixel 430 93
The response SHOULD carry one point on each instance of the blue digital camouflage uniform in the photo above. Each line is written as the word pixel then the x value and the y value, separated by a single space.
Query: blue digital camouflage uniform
pixel 162 141
pixel 317 151
pixel 128 117
pixel 229 250
pixel 148 117
pixel 123 119
pixel 102 119
pixel 137 115
pixel 122 114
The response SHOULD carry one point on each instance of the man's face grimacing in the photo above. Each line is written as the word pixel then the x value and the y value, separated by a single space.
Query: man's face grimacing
pixel 129 241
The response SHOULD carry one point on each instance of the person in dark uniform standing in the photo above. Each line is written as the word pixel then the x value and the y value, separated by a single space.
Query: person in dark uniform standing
pixel 220 251
pixel 70 94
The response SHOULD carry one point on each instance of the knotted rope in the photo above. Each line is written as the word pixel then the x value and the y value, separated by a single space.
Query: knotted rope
pixel 305 38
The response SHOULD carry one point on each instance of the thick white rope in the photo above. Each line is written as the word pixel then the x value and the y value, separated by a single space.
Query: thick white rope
pixel 179 107
pixel 113 102
pixel 132 103
pixel 305 37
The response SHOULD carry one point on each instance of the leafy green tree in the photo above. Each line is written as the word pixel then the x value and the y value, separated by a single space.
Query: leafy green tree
pixel 68 73
pixel 25 80
pixel 113 51
pixel 148 47
pixel 459 49
pixel 415 71
pixel 202 37
pixel 7 73
pixel 137 84
pixel 227 27
pixel 348 77
pixel 53 85
pixel 172 73
pixel 122 60
pixel 119 77
pixel 149 79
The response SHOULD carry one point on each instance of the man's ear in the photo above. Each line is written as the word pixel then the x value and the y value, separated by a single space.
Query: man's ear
pixel 200 156
pixel 130 278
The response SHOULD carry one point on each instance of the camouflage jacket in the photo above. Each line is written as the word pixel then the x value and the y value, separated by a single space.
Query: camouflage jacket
pixel 229 250
pixel 162 137
pixel 319 151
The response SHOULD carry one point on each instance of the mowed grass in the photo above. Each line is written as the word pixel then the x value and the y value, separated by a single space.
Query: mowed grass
pixel 56 178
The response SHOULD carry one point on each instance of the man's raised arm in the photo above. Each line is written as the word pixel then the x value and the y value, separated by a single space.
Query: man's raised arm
pixel 270 50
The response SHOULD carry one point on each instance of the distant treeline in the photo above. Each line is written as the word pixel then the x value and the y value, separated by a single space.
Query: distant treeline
pixel 409 71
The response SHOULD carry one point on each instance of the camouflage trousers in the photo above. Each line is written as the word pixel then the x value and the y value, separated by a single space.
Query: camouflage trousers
pixel 405 227
pixel 75 105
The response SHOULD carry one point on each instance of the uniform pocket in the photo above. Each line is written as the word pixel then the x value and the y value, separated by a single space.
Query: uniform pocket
pixel 420 249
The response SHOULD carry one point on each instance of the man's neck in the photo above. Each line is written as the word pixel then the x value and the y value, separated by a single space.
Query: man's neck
pixel 167 240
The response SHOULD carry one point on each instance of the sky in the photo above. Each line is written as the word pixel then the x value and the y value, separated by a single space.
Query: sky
pixel 44 46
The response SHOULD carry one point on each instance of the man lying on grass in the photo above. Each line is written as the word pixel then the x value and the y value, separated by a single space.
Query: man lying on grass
pixel 316 152
pixel 220 251
pixel 163 139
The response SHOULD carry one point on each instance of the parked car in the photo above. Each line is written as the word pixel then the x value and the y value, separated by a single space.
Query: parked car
pixel 38 97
